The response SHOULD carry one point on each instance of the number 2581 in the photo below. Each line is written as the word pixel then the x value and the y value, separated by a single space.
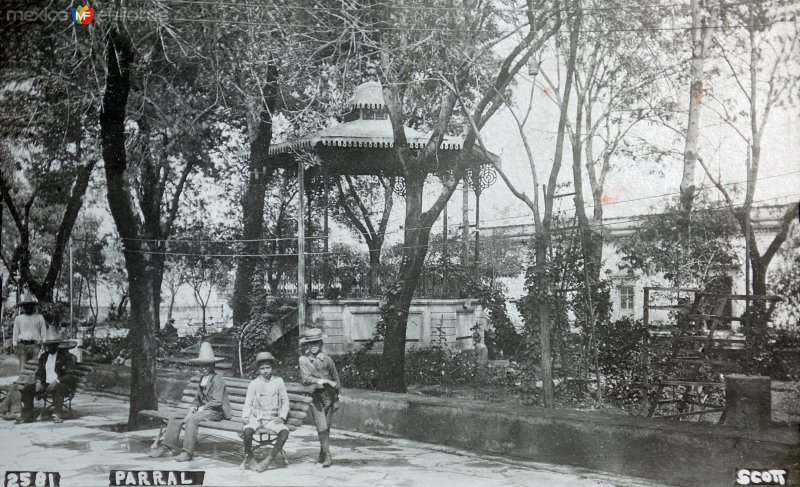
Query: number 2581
pixel 32 479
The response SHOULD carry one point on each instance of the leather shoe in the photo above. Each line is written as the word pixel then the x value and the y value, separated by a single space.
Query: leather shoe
pixel 328 461
pixel 183 457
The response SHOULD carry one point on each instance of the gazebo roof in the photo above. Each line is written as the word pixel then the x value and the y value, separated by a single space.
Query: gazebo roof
pixel 367 95
pixel 361 146
pixel 365 134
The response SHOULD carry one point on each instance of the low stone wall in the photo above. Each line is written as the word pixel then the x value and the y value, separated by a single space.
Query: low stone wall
pixel 350 322
pixel 116 379
pixel 678 453
pixel 667 451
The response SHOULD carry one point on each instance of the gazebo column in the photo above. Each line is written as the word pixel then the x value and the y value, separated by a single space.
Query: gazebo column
pixel 310 223
pixel 326 202
pixel 444 250
pixel 301 249
pixel 465 223
pixel 477 182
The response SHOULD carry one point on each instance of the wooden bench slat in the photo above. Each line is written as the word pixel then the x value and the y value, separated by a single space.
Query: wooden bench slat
pixel 296 409
pixel 234 424
pixel 299 399
pixel 235 384
pixel 239 398
pixel 243 383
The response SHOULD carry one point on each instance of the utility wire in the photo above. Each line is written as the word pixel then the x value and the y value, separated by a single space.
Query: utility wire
pixel 457 224
pixel 483 239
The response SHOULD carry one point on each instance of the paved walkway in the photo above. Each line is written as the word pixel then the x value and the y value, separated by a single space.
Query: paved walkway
pixel 83 450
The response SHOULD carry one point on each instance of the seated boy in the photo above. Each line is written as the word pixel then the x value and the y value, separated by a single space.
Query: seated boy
pixel 210 404
pixel 266 408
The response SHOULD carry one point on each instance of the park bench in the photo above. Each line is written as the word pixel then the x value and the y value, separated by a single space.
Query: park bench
pixel 26 376
pixel 299 401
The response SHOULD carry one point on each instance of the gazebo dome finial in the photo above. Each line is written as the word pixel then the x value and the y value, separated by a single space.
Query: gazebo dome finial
pixel 367 95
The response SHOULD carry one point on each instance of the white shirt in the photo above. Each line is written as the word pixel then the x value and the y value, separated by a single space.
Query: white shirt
pixel 50 368
pixel 31 328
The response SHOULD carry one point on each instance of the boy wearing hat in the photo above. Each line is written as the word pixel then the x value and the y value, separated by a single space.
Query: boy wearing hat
pixel 266 407
pixel 318 369
pixel 53 375
pixel 29 330
pixel 211 403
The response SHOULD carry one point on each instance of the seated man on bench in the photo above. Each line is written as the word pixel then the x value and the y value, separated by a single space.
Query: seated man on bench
pixel 54 376
pixel 266 408
pixel 210 404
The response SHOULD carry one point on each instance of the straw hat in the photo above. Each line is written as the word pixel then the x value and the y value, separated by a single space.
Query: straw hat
pixel 312 335
pixel 263 357
pixel 27 298
pixel 68 344
pixel 206 355
pixel 52 337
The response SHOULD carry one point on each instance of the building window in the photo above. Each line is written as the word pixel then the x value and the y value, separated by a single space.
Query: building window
pixel 626 299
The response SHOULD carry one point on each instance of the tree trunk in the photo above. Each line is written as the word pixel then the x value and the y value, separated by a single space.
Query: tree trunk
pixel 171 304
pixel 374 269
pixel 44 290
pixel 253 199
pixel 701 34
pixel 157 281
pixel 112 140
pixel 205 333
pixel 398 302
pixel 543 311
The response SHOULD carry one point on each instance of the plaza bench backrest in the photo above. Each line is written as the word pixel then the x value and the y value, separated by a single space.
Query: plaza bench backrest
pixel 80 371
pixel 28 372
pixel 299 398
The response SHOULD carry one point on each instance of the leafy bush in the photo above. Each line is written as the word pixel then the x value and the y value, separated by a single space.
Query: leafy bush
pixel 781 357
pixel 103 350
pixel 432 367
pixel 619 355
pixel 265 312
pixel 358 370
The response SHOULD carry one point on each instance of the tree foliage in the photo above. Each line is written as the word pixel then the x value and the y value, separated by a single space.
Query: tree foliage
pixel 689 250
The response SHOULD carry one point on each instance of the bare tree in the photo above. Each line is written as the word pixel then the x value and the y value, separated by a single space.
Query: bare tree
pixel 359 214
pixel 763 65
pixel 449 62
pixel 704 23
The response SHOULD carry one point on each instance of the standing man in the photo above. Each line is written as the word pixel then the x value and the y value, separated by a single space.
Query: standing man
pixel 30 330
pixel 319 370
pixel 54 375
pixel 211 403
pixel 266 408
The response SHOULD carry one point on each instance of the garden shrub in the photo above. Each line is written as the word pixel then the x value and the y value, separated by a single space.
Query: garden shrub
pixel 434 366
pixel 781 357
pixel 265 311
pixel 620 358
pixel 103 350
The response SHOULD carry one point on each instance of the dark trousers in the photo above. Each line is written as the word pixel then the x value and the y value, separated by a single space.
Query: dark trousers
pixel 192 422
pixel 58 391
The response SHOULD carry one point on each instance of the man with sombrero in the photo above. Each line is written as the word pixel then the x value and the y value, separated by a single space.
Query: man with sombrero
pixel 211 403
pixel 265 409
pixel 54 376
pixel 319 370
pixel 30 329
